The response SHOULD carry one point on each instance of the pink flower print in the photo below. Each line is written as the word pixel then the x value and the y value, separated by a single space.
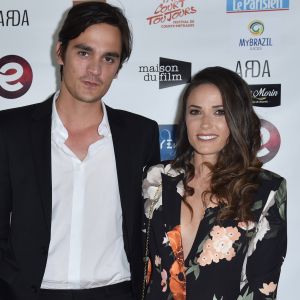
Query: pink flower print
pixel 229 254
pixel 208 245
pixel 157 261
pixel 233 233
pixel 164 277
pixel 216 256
pixel 217 232
pixel 267 289
pixel 205 258
pixel 246 225
pixel 222 244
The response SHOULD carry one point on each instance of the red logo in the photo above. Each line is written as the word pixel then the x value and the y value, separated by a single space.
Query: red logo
pixel 15 76
pixel 172 14
pixel 270 141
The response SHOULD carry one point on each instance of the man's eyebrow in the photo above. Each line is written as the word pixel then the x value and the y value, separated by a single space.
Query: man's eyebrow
pixel 90 49
pixel 83 47
pixel 112 54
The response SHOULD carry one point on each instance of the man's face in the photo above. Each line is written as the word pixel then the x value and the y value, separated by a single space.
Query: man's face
pixel 90 63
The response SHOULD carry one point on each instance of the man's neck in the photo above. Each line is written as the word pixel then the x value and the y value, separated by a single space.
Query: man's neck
pixel 77 115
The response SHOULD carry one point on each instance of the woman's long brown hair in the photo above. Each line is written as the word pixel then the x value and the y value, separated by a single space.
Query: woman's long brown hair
pixel 234 177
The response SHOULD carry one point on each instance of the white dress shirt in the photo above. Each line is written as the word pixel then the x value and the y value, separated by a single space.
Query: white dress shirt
pixel 86 247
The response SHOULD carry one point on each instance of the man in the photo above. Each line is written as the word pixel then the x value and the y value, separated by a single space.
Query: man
pixel 70 175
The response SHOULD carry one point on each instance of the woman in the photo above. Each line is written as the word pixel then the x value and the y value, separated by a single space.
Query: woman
pixel 215 220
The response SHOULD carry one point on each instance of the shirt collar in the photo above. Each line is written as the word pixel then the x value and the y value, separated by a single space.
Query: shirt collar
pixel 103 128
pixel 60 133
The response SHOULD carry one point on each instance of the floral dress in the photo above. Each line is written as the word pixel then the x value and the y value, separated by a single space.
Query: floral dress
pixel 228 261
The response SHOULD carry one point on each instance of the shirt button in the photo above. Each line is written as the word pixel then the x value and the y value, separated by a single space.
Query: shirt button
pixel 34 289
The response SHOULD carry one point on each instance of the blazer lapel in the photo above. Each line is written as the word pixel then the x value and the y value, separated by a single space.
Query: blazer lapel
pixel 171 200
pixel 123 164
pixel 41 148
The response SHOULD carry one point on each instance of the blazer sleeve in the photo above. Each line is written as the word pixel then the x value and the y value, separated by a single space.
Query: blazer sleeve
pixel 267 249
pixel 154 149
pixel 7 263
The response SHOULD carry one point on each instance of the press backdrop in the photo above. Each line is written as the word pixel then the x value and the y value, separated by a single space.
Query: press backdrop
pixel 173 39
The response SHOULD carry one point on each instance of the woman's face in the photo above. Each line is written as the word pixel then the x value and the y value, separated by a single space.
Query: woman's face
pixel 205 121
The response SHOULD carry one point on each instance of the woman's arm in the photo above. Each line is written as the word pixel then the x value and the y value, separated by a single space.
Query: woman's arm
pixel 267 250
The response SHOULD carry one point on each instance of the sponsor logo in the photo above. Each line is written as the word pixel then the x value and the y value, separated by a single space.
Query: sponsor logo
pixel 270 141
pixel 266 95
pixel 15 76
pixel 169 72
pixel 14 18
pixel 239 6
pixel 253 68
pixel 173 14
pixel 167 135
pixel 256 27
pixel 256 42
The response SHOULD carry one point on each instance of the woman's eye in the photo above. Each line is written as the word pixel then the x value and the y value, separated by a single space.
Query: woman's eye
pixel 194 112
pixel 220 112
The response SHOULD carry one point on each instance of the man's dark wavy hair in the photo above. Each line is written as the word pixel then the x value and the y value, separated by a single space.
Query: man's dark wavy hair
pixel 85 14
pixel 235 174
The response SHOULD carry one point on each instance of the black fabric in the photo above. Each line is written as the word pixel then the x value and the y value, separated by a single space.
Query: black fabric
pixel 227 261
pixel 119 291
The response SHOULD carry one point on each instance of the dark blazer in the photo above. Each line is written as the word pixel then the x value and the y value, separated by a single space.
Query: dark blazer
pixel 227 260
pixel 26 200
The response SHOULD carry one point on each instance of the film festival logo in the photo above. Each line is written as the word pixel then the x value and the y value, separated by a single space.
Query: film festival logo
pixel 169 72
pixel 15 76
pixel 173 14
pixel 256 42
pixel 242 6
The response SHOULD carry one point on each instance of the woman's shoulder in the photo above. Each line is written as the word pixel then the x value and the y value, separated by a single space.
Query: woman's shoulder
pixel 159 177
pixel 270 179
pixel 161 174
pixel 161 164
pixel 271 191
pixel 163 168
